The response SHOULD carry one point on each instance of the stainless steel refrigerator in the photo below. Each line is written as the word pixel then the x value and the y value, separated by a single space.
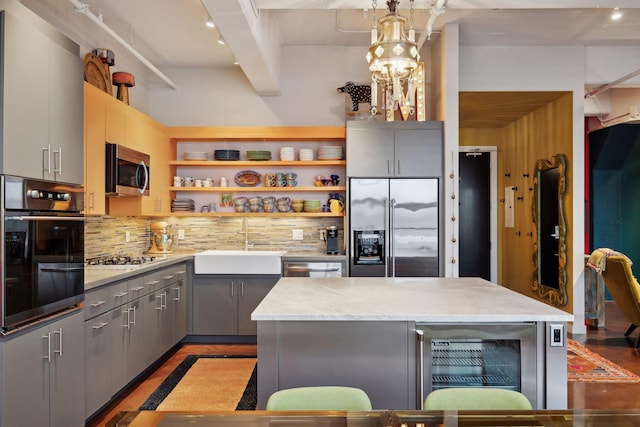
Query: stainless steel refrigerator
pixel 394 227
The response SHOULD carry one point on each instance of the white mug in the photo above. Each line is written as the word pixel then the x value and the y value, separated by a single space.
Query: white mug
pixel 188 181
pixel 178 181
pixel 223 182
pixel 198 183
pixel 208 182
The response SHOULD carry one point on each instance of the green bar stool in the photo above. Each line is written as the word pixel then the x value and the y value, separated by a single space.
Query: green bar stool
pixel 476 399
pixel 321 398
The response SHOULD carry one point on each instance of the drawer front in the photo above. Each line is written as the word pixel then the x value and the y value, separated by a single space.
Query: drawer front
pixel 96 302
pixel 136 288
pixel 119 294
pixel 174 274
pixel 152 282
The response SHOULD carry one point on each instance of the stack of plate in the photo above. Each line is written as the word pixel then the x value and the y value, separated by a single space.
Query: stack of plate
pixel 306 154
pixel 330 152
pixel 195 155
pixel 258 155
pixel 312 205
pixel 287 153
pixel 183 205
pixel 226 154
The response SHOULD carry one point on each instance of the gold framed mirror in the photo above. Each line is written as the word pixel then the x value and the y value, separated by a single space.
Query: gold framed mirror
pixel 550 238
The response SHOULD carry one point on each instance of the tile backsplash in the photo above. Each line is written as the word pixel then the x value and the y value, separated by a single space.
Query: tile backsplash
pixel 106 235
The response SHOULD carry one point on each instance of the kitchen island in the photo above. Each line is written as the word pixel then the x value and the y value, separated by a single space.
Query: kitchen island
pixel 362 332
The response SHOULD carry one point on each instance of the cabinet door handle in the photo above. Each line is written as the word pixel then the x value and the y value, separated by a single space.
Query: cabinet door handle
pixel 99 326
pixel 398 167
pixel 420 337
pixel 153 282
pixel 163 299
pixel 242 288
pixel 177 298
pixel 48 347
pixel 46 160
pixel 92 200
pixel 388 167
pixel 137 288
pixel 133 323
pixel 59 153
pixel 97 304
pixel 59 334
pixel 121 294
pixel 168 277
pixel 128 322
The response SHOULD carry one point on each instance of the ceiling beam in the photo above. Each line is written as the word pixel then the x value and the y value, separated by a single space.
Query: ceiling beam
pixel 253 39
pixel 451 4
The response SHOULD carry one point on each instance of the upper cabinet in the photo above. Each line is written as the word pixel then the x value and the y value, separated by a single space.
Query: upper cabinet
pixel 42 103
pixel 94 149
pixel 108 119
pixel 394 149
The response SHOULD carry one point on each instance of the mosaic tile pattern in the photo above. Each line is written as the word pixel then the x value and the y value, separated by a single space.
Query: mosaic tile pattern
pixel 106 235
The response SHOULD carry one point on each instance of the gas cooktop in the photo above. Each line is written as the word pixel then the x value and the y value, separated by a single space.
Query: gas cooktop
pixel 121 262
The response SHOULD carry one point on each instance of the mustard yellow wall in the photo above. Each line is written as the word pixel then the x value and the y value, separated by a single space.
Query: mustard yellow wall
pixel 539 135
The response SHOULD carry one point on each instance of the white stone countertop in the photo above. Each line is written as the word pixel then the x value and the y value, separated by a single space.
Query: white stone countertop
pixel 437 300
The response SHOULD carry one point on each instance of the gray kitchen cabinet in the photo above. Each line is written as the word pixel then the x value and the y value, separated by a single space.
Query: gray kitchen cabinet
pixel 157 321
pixel 222 305
pixel 177 301
pixel 97 343
pixel 215 310
pixel 42 381
pixel 42 121
pixel 389 149
pixel 129 324
pixel 252 292
pixel 128 351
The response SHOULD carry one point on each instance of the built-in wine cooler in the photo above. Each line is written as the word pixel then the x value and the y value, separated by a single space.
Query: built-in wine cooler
pixel 492 356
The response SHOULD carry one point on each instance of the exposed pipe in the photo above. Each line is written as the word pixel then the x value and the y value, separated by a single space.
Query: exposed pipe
pixel 436 10
pixel 610 85
pixel 84 9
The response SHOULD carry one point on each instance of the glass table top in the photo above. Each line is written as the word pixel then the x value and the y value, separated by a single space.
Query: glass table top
pixel 547 418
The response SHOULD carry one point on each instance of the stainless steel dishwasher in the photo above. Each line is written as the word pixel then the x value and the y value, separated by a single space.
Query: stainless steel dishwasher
pixel 312 269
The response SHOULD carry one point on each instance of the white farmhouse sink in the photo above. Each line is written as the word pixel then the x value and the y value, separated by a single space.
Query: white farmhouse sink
pixel 238 262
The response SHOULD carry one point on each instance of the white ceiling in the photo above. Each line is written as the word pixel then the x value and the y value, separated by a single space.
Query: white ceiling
pixel 171 33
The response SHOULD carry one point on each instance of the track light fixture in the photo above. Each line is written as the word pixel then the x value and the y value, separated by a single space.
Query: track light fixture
pixel 210 23
pixel 616 14
pixel 221 40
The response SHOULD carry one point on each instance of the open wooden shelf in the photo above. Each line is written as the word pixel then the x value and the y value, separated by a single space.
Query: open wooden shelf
pixel 265 214
pixel 256 163
pixel 257 189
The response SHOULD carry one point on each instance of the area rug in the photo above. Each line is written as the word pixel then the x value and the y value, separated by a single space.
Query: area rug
pixel 207 383
pixel 583 365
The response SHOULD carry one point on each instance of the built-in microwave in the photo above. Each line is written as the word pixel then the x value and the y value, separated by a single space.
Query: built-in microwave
pixel 127 171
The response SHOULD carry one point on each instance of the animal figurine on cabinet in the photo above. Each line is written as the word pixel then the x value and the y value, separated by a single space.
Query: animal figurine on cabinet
pixel 357 93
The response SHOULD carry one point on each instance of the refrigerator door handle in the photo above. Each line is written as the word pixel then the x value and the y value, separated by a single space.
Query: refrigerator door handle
pixel 386 232
pixel 420 337
pixel 391 239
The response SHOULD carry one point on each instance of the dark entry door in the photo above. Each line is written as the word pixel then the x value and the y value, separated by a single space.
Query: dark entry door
pixel 474 214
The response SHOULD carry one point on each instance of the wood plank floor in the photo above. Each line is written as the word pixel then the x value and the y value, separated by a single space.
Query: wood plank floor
pixel 609 342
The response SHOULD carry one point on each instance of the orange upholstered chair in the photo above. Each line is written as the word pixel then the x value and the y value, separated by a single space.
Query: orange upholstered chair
pixel 624 288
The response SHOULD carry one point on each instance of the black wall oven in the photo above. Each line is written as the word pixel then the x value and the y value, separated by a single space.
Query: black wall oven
pixel 42 250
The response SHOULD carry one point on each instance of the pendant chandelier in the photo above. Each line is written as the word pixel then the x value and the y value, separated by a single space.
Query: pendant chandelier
pixel 395 65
